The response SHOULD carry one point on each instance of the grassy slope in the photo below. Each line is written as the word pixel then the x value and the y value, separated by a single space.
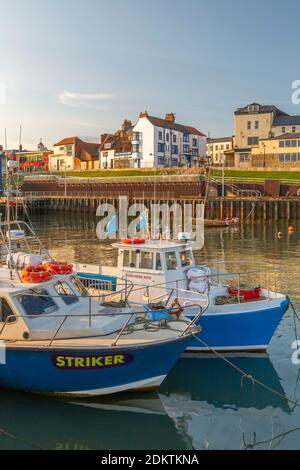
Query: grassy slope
pixel 276 175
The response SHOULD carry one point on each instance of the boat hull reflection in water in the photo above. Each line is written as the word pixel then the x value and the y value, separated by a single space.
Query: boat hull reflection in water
pixel 214 408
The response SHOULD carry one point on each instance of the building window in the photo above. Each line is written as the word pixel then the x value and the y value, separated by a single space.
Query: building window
pixel 283 130
pixel 186 138
pixel 69 150
pixel 167 137
pixel 289 157
pixel 161 160
pixel 227 146
pixel 293 129
pixel 287 143
pixel 160 135
pixel 160 147
pixel 249 125
pixel 174 138
pixel 252 140
pixel 194 152
pixel 174 149
pixel 186 148
pixel 253 108
pixel 244 157
pixel 136 148
pixel 194 142
pixel 294 143
pixel 135 136
pixel 281 143
pixel 256 124
pixel 222 147
pixel 217 147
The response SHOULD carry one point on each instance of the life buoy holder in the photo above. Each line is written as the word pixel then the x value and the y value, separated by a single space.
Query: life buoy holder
pixel 133 241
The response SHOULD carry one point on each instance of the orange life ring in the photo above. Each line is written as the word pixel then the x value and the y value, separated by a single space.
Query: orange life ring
pixel 36 274
pixel 133 241
pixel 59 268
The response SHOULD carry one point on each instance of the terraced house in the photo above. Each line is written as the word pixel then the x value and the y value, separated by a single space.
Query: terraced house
pixel 266 136
pixel 158 142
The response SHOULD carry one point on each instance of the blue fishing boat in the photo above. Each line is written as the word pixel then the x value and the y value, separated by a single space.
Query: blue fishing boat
pixel 58 338
pixel 238 315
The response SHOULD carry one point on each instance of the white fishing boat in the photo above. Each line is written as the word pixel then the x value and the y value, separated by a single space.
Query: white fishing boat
pixel 237 317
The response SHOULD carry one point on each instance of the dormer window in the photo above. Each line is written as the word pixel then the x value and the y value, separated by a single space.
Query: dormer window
pixel 253 108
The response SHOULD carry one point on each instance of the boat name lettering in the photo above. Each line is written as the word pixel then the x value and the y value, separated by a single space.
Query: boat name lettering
pixel 75 362
pixel 139 276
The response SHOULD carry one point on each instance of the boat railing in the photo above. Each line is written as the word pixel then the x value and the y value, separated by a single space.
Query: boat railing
pixel 122 288
pixel 123 330
pixel 179 294
pixel 267 279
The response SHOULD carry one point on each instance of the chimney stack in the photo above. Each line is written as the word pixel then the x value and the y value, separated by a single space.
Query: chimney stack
pixel 170 117
pixel 143 114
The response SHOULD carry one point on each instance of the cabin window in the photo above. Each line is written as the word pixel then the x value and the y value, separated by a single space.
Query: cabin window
pixel 37 302
pixel 186 258
pixel 171 261
pixel 146 261
pixel 129 259
pixel 6 312
pixel 65 292
pixel 79 286
pixel 158 266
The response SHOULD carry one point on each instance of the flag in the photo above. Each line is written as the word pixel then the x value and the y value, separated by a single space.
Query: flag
pixel 111 227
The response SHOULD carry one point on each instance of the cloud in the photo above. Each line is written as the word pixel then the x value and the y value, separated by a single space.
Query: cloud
pixel 84 100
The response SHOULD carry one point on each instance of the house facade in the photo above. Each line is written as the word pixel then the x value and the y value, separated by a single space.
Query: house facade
pixel 34 161
pixel 257 129
pixel 282 151
pixel 216 149
pixel 160 142
pixel 73 153
pixel 116 149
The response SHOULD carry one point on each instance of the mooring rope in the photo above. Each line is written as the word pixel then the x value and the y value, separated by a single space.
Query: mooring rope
pixel 246 375
pixel 20 439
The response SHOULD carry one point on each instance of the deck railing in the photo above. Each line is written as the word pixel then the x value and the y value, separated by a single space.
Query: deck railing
pixel 90 315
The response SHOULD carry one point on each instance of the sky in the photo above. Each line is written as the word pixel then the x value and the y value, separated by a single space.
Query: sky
pixel 73 67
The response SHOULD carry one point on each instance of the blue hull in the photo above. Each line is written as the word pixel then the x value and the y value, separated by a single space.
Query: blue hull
pixel 89 371
pixel 250 331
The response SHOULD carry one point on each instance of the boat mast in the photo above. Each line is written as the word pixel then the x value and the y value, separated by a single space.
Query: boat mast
pixel 8 206
pixel 18 172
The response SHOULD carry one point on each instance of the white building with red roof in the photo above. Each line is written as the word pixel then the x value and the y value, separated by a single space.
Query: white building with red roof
pixel 160 142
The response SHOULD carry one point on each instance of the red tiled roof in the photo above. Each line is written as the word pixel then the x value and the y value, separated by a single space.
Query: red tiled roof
pixel 67 141
pixel 173 126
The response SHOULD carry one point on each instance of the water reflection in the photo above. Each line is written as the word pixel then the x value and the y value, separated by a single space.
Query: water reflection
pixel 125 422
pixel 213 409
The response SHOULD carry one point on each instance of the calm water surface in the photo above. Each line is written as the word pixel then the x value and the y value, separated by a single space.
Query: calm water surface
pixel 201 404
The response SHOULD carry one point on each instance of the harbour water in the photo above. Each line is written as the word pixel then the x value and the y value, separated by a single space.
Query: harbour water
pixel 203 404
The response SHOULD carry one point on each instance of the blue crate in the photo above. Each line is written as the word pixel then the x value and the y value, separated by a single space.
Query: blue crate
pixel 157 315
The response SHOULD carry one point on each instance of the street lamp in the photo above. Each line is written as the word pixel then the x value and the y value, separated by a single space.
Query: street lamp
pixel 65 170
pixel 264 146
